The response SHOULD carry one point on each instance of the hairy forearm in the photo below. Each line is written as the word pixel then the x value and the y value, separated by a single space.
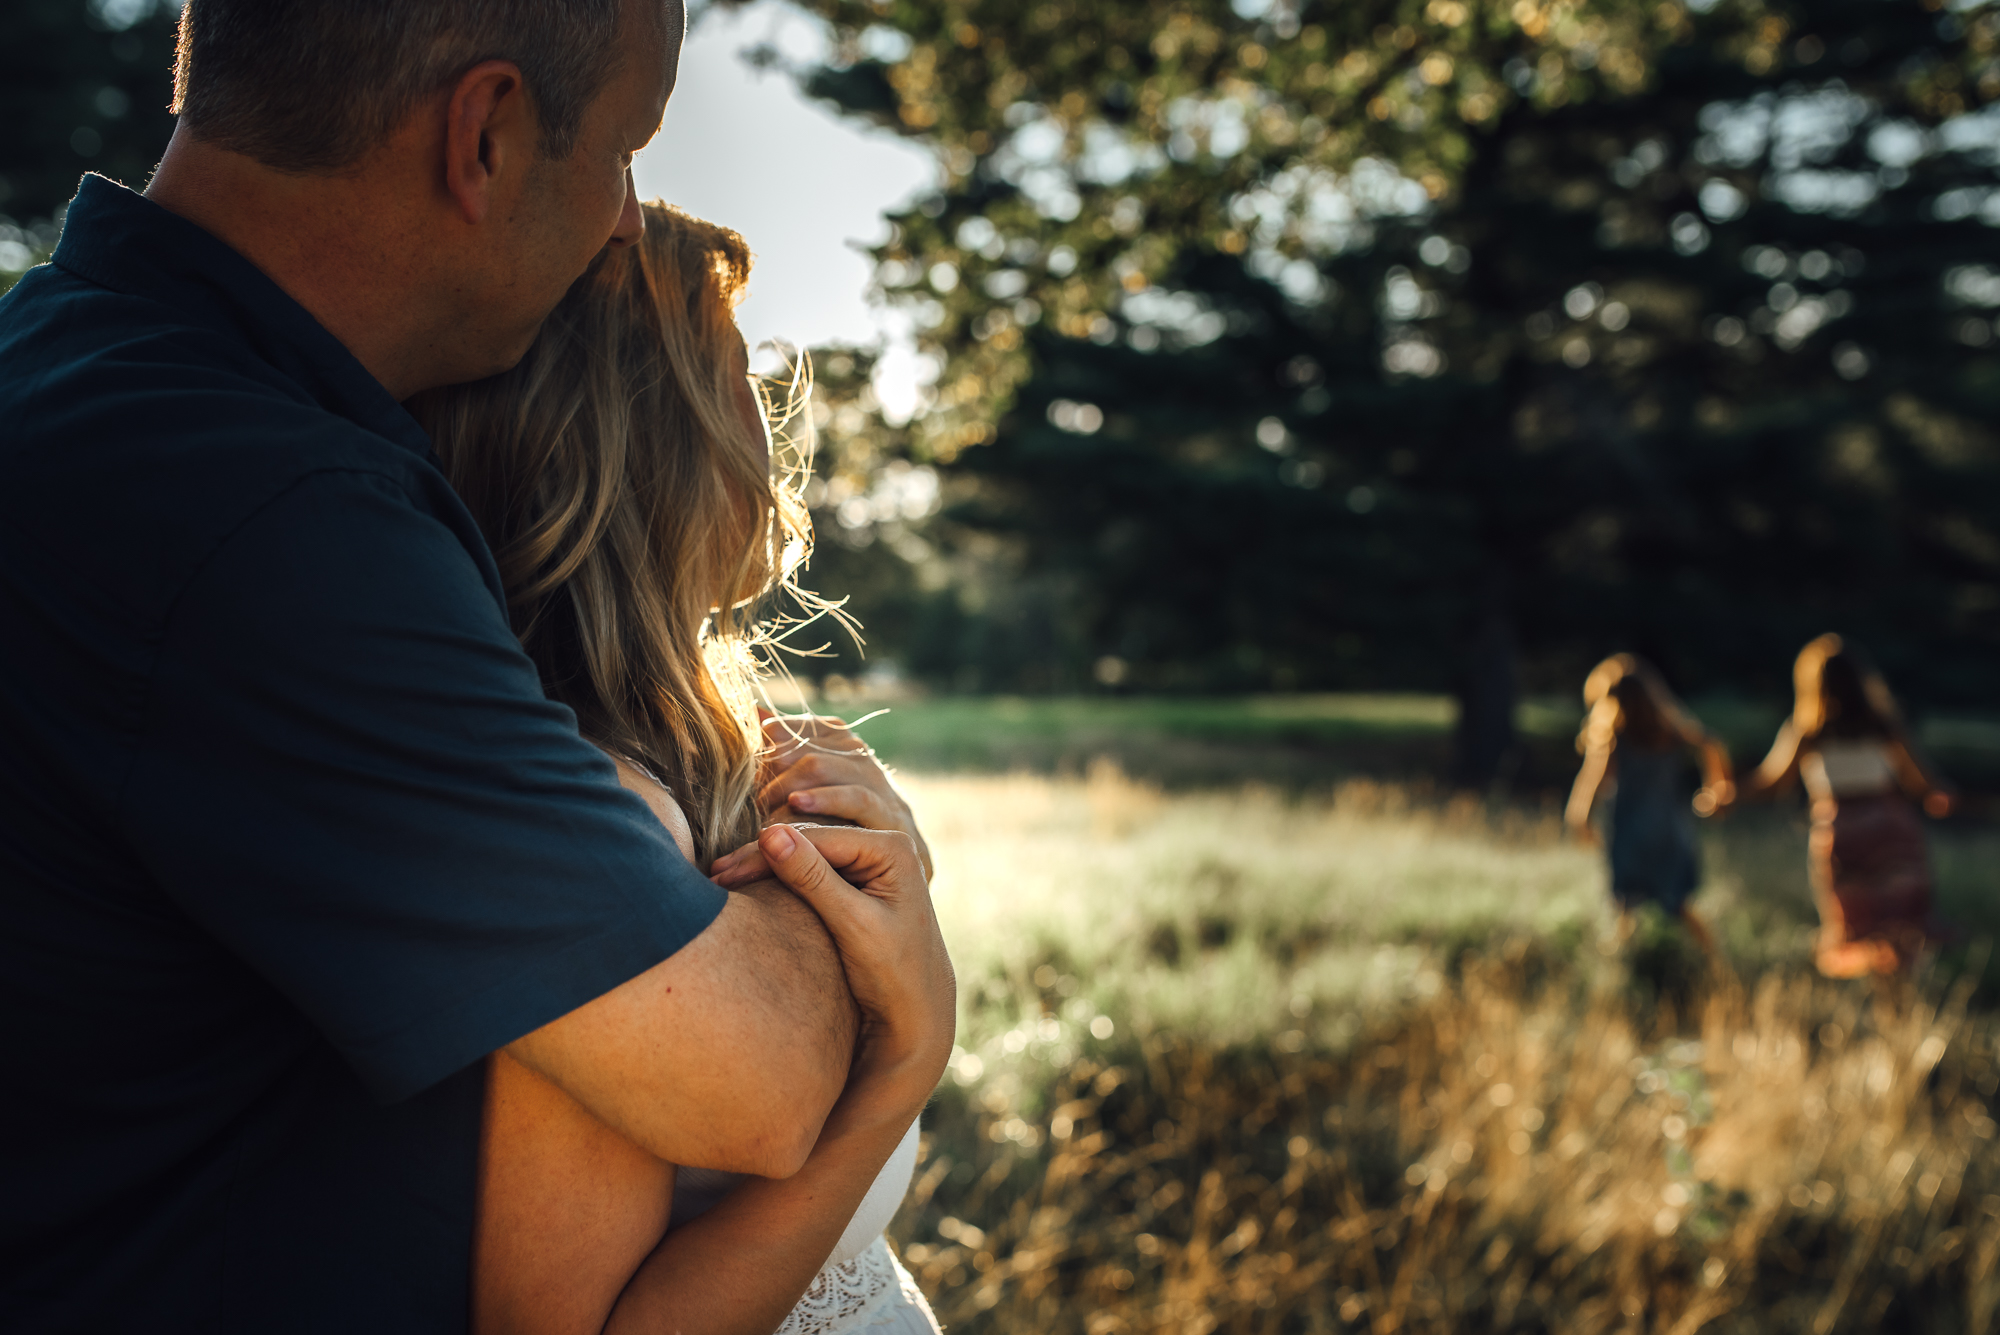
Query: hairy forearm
pixel 727 1055
pixel 806 984
pixel 795 1061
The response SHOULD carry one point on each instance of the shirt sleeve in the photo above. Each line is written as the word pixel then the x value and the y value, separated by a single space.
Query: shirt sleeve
pixel 351 779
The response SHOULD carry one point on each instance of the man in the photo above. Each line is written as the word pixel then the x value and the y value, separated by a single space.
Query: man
pixel 289 837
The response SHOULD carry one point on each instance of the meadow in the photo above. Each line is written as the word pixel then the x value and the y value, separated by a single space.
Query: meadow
pixel 1300 741
pixel 1352 1056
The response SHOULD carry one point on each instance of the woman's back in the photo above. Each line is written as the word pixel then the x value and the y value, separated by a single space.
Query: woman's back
pixel 1870 871
pixel 1652 842
pixel 1837 767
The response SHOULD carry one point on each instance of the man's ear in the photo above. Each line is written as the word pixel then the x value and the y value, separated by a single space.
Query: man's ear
pixel 490 136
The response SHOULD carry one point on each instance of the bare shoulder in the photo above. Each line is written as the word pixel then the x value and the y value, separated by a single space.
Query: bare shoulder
pixel 661 801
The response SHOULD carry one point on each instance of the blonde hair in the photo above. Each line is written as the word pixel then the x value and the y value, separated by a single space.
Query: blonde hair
pixel 634 515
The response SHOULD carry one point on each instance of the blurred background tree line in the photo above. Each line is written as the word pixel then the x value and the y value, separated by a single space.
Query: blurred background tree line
pixel 84 86
pixel 1428 345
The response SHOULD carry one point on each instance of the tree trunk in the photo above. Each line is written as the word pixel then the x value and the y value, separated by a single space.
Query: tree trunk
pixel 1484 748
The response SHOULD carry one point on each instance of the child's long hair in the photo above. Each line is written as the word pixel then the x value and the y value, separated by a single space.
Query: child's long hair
pixel 1839 693
pixel 1626 696
pixel 635 516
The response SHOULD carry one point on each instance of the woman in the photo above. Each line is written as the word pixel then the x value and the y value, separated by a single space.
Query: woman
pixel 1635 735
pixel 1870 872
pixel 623 476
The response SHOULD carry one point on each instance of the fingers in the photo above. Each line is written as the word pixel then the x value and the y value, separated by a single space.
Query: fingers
pixel 803 870
pixel 785 815
pixel 849 801
pixel 882 863
pixel 821 770
pixel 855 804
pixel 739 868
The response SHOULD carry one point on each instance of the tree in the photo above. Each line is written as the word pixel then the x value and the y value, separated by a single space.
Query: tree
pixel 1396 342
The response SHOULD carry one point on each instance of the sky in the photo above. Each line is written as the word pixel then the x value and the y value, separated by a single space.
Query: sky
pixel 744 148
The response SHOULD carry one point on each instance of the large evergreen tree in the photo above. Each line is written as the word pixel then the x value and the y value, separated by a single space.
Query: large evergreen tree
pixel 1403 341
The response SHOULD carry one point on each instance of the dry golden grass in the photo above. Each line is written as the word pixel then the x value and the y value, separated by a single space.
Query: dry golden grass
pixel 1523 1135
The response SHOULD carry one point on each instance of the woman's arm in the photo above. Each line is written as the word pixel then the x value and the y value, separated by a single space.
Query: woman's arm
pixel 1583 795
pixel 742 1266
pixel 1718 777
pixel 1917 780
pixel 1718 774
pixel 1780 767
pixel 568 1209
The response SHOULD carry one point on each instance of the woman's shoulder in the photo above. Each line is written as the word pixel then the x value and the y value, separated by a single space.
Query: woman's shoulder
pixel 641 780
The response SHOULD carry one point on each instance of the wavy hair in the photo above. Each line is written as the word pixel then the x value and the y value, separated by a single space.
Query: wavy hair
pixel 1626 694
pixel 636 518
pixel 1837 692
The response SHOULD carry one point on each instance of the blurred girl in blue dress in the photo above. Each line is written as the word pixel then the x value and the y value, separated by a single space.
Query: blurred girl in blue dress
pixel 1635 742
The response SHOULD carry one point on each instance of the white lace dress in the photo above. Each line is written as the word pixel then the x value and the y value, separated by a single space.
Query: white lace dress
pixel 862 1286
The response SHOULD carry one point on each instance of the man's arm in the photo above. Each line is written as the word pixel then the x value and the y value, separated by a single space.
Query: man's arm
pixel 344 713
pixel 727 1055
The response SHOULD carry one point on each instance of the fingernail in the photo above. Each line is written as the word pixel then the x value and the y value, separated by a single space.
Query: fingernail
pixel 804 801
pixel 780 842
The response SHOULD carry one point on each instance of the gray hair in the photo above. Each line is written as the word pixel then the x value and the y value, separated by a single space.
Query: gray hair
pixel 312 85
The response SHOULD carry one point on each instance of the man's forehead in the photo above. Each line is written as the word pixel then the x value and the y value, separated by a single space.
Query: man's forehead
pixel 671 16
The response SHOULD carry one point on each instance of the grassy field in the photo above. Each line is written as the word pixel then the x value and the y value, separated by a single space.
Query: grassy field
pixel 1299 741
pixel 1255 1059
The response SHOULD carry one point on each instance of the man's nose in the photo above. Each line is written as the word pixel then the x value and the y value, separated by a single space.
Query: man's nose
pixel 631 222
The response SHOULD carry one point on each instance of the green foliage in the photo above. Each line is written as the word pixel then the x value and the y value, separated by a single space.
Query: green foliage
pixel 1359 345
pixel 84 86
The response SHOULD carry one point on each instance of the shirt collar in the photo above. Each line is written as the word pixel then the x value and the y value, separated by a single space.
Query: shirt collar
pixel 121 240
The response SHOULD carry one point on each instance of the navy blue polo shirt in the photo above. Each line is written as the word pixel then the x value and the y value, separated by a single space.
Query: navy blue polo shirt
pixel 290 837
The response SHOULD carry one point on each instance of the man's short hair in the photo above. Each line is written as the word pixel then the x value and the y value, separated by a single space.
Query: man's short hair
pixel 312 85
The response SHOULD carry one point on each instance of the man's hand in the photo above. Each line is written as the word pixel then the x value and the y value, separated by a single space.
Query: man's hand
pixel 817 767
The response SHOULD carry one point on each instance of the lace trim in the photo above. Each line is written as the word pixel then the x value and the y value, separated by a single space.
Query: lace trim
pixel 844 1297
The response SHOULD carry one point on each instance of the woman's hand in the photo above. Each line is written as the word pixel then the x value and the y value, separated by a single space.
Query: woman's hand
pixel 1715 798
pixel 867 887
pixel 817 767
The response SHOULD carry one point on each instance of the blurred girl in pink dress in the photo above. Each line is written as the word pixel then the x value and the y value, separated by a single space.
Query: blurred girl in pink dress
pixel 1870 871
